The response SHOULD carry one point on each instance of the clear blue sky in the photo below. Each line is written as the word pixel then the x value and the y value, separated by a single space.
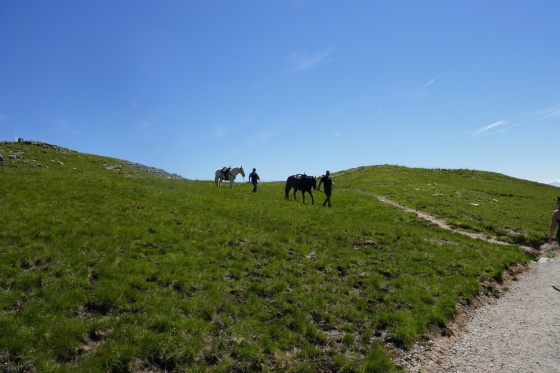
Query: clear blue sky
pixel 287 86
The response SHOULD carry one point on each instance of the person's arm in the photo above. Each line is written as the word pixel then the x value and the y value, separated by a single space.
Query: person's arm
pixel 553 224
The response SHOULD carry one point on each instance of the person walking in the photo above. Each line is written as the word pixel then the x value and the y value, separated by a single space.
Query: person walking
pixel 554 223
pixel 254 178
pixel 328 182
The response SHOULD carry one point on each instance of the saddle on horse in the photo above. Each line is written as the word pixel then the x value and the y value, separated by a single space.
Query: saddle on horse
pixel 225 173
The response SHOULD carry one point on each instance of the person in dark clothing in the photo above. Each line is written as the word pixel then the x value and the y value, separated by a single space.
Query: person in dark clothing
pixel 254 178
pixel 554 224
pixel 328 182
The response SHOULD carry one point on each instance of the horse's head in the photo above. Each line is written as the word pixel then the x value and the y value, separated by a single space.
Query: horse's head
pixel 242 171
pixel 313 182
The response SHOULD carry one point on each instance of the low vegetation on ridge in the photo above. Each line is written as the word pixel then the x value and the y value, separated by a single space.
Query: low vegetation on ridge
pixel 108 267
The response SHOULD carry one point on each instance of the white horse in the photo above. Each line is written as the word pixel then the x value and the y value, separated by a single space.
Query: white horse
pixel 230 177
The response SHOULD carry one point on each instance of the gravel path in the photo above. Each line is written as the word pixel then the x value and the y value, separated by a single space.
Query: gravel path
pixel 516 333
pixel 519 333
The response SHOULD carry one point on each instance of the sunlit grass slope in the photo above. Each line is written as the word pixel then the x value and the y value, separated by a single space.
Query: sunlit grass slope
pixel 514 210
pixel 107 268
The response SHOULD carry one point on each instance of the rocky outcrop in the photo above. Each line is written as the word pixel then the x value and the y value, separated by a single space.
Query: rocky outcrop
pixel 43 145
pixel 59 149
pixel 151 170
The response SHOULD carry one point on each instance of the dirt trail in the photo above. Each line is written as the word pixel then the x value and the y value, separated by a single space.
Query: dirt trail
pixel 514 333
pixel 441 223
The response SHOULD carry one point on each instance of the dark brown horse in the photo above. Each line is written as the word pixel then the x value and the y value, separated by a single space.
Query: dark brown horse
pixel 303 183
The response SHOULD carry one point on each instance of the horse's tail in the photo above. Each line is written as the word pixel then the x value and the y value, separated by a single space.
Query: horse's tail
pixel 217 177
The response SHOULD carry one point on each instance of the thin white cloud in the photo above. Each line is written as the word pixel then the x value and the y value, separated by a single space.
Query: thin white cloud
pixel 493 125
pixel 303 61
pixel 508 128
pixel 431 82
pixel 550 113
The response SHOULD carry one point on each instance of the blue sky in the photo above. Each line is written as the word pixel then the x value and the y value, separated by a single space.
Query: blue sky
pixel 287 86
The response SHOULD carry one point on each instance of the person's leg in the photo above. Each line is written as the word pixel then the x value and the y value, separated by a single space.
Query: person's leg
pixel 558 238
pixel 328 200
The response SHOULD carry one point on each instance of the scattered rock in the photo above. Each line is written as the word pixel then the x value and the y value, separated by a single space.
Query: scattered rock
pixel 311 256
pixel 151 170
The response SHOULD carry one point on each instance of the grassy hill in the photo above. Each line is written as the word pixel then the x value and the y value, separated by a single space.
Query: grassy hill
pixel 105 266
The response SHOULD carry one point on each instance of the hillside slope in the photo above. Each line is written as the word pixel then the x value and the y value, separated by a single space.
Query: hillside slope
pixel 108 267
pixel 514 210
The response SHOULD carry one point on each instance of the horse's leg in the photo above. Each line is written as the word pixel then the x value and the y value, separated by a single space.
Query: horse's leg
pixel 303 195
pixel 312 199
pixel 230 183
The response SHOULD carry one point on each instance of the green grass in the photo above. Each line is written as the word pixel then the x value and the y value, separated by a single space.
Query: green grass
pixel 107 268
pixel 516 211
